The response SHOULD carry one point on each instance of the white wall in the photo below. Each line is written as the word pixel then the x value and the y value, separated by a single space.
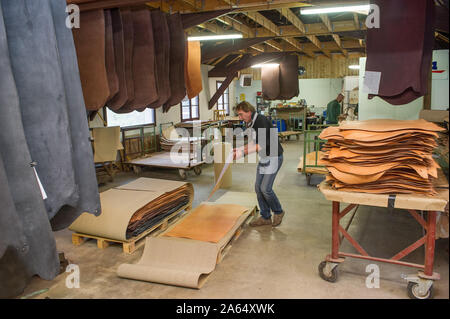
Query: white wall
pixel 440 83
pixel 317 92
pixel 377 108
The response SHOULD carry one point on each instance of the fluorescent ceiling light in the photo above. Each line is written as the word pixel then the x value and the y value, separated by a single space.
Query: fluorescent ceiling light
pixel 265 64
pixel 360 8
pixel 215 37
pixel 355 67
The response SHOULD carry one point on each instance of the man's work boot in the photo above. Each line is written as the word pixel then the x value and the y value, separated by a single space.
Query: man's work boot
pixel 277 219
pixel 260 221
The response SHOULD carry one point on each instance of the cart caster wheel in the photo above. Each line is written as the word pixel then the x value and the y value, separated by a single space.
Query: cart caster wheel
pixel 332 277
pixel 182 174
pixel 197 170
pixel 137 170
pixel 308 179
pixel 414 292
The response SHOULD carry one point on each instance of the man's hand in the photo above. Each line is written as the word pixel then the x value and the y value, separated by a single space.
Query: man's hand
pixel 238 153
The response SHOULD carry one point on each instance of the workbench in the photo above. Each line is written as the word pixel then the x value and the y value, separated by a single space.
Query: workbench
pixel 420 286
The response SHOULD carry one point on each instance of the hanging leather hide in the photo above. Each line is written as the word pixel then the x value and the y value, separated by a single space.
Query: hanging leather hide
pixel 121 97
pixel 42 97
pixel 110 60
pixel 193 74
pixel 27 244
pixel 85 178
pixel 403 61
pixel 90 44
pixel 128 36
pixel 176 72
pixel 162 51
pixel 288 77
pixel 270 82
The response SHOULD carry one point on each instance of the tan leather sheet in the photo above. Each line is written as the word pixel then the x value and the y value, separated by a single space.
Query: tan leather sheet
pixel 385 125
pixel 192 73
pixel 181 261
pixel 128 203
pixel 90 46
pixel 208 223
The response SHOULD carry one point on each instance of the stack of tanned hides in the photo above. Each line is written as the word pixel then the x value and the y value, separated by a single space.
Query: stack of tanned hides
pixel 170 138
pixel 131 209
pixel 131 59
pixel 381 156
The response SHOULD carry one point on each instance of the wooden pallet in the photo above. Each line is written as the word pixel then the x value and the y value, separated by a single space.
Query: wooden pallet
pixel 237 234
pixel 131 245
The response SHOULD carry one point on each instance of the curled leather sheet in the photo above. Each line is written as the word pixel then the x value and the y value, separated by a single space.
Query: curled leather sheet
pixel 130 209
pixel 187 262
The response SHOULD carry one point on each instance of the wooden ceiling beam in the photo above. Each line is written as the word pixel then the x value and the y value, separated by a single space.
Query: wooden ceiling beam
pixel 329 25
pixel 300 26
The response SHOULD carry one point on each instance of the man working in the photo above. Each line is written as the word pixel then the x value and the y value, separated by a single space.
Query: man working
pixel 334 109
pixel 270 152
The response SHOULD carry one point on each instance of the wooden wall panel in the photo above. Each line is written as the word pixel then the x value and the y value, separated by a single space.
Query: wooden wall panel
pixel 320 67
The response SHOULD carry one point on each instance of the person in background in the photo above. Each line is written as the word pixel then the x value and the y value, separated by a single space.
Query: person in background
pixel 334 109
pixel 270 160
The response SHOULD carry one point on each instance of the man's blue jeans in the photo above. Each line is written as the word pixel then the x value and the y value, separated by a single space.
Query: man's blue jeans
pixel 267 199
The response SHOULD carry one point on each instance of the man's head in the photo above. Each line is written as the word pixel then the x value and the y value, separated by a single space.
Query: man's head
pixel 244 110
pixel 340 97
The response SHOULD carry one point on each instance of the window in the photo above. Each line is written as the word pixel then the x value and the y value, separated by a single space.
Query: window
pixel 224 100
pixel 131 119
pixel 190 109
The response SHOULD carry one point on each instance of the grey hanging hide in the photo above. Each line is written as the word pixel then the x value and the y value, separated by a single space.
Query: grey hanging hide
pixel 43 104
pixel 27 245
pixel 83 160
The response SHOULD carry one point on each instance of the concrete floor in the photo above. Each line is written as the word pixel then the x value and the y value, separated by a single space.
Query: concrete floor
pixel 264 262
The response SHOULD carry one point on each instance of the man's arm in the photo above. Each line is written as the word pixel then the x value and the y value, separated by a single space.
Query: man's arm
pixel 247 149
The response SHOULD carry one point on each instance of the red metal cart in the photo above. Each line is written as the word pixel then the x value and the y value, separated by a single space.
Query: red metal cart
pixel 420 286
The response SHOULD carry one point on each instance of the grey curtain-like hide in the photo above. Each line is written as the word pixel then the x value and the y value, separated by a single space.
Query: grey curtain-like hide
pixel 85 178
pixel 27 245
pixel 44 114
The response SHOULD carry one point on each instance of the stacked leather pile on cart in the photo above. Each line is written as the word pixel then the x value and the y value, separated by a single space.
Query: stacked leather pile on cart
pixel 170 138
pixel 381 156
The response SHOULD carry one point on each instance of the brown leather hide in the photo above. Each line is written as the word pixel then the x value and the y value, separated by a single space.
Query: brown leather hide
pixel 90 44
